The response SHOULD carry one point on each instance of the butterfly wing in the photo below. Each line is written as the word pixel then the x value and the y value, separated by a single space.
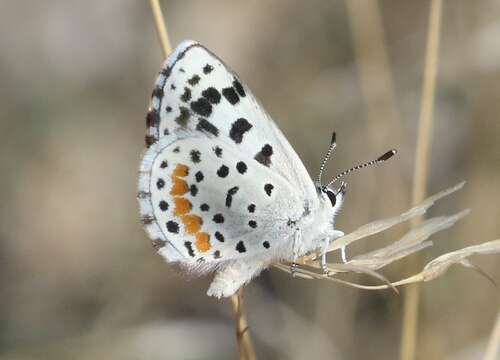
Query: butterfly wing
pixel 212 203
pixel 204 120
pixel 197 92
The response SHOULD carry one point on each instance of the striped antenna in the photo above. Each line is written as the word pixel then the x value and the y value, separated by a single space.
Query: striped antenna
pixel 379 160
pixel 333 144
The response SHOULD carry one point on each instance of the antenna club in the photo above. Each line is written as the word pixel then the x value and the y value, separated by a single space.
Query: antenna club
pixel 334 138
pixel 387 155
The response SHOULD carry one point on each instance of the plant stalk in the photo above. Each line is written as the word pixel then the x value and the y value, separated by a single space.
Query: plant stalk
pixel 412 293
pixel 243 339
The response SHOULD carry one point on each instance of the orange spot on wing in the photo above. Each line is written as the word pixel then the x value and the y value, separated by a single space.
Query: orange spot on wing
pixel 180 170
pixel 203 241
pixel 182 206
pixel 179 186
pixel 192 223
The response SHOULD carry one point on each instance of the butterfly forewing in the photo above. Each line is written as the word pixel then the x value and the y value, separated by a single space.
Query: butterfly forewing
pixel 197 92
pixel 219 180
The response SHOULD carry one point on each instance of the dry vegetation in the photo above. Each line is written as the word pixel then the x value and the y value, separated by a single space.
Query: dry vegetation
pixel 70 123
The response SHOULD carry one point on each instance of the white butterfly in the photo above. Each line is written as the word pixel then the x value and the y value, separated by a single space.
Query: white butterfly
pixel 220 187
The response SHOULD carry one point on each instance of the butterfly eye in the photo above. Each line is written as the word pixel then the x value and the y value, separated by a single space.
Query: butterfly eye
pixel 332 197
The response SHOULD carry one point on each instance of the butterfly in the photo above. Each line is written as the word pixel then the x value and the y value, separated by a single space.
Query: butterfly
pixel 220 187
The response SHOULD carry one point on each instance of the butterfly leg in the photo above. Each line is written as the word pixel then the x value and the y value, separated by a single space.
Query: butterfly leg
pixel 324 267
pixel 293 268
pixel 334 235
pixel 296 242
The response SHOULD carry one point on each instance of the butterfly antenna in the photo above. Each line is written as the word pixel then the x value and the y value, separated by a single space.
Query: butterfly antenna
pixel 332 146
pixel 379 160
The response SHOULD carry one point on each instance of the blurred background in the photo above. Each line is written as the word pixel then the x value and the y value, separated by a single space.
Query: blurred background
pixel 78 276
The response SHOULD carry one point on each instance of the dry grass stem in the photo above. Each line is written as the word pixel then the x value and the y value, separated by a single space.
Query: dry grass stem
pixel 411 301
pixel 161 27
pixel 381 225
pixel 493 349
pixel 415 240
pixel 243 339
pixel 245 346
pixel 373 66
pixel 431 271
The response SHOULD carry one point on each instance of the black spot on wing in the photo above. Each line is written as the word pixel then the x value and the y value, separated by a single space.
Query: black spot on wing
pixel 152 118
pixel 266 244
pixel 193 190
pixel 199 176
pixel 241 167
pixel 268 188
pixel 264 155
pixel 194 80
pixel 238 129
pixel 166 71
pixel 157 92
pixel 223 171
pixel 218 151
pixel 239 88
pixel 189 247
pixel 207 69
pixel 230 95
pixel 201 107
pixel 252 224
pixel 150 140
pixel 207 126
pixel 251 208
pixel 172 227
pixel 229 196
pixel 195 156
pixel 204 207
pixel 186 95
pixel 240 247
pixel 212 95
pixel 219 236
pixel 183 116
pixel 218 218
pixel 160 183
pixel 163 205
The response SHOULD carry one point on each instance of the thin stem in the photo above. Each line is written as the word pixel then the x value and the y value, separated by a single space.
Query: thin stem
pixel 493 349
pixel 161 28
pixel 412 293
pixel 243 339
pixel 373 65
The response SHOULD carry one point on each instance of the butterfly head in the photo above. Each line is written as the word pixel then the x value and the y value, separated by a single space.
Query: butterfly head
pixel 334 197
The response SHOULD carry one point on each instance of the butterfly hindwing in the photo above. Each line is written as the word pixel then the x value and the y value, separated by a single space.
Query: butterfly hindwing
pixel 213 203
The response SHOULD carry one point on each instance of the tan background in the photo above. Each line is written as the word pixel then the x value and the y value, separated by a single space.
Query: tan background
pixel 79 279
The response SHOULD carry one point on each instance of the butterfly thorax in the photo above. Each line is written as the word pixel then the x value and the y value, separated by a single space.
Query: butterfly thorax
pixel 313 228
